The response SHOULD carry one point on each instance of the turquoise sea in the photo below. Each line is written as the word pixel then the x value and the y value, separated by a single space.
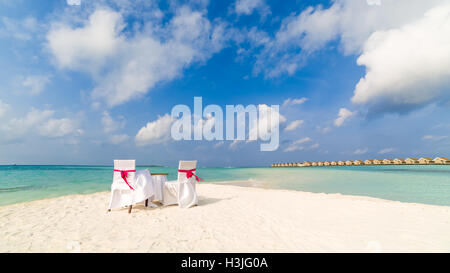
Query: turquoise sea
pixel 418 184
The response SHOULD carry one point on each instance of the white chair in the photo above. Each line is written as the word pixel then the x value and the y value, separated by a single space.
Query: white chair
pixel 183 191
pixel 129 186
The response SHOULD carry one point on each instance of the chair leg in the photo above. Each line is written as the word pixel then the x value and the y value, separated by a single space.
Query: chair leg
pixel 129 209
pixel 146 203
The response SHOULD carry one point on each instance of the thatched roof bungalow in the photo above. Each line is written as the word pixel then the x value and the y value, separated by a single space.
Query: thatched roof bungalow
pixel 368 162
pixel 334 163
pixel 358 162
pixel 314 164
pixel 378 162
pixel 327 163
pixel 441 160
pixel 341 163
pixel 388 161
pixel 348 162
pixel 307 163
pixel 320 164
pixel 399 161
pixel 425 160
pixel 411 160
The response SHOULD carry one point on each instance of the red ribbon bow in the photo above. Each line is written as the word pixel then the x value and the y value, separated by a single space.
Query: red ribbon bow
pixel 189 174
pixel 124 175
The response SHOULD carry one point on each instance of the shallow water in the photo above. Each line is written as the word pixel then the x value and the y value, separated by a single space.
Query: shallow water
pixel 418 184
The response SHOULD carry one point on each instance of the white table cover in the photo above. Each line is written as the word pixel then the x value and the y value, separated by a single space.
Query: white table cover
pixel 122 195
pixel 158 184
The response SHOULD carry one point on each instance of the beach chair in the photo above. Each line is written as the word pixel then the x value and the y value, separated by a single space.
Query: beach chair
pixel 129 186
pixel 182 191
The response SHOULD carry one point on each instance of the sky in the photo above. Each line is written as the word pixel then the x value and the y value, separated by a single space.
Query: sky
pixel 86 82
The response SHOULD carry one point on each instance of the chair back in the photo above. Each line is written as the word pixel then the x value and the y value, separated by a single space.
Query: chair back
pixel 124 165
pixel 185 165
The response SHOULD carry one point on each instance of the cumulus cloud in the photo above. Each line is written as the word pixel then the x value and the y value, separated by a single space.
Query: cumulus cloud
pixel 298 145
pixel 35 84
pixel 20 29
pixel 343 115
pixel 403 45
pixel 126 67
pixel 294 101
pixel 407 67
pixel 155 132
pixel 294 125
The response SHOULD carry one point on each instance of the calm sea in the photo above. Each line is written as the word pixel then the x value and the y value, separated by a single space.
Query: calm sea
pixel 419 184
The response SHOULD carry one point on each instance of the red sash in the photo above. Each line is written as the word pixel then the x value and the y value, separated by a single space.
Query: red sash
pixel 124 175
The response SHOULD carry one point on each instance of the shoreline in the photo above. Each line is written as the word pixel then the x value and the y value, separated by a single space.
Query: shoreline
pixel 245 184
pixel 229 218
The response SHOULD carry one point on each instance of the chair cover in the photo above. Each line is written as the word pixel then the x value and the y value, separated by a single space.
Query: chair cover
pixel 183 191
pixel 121 193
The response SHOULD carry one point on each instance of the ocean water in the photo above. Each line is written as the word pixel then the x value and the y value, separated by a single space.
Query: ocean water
pixel 418 184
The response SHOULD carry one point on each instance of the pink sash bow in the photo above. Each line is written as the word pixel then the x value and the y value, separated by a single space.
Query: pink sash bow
pixel 189 174
pixel 124 175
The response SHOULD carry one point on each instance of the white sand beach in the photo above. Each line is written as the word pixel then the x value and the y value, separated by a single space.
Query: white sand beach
pixel 228 219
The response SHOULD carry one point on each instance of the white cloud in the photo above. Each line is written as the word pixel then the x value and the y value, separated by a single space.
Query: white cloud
pixel 111 125
pixel 59 127
pixel 314 146
pixel 41 122
pixel 35 84
pixel 298 145
pixel 247 7
pixel 155 132
pixel 126 67
pixel 387 151
pixel 117 139
pixel 407 67
pixel 3 108
pixel 294 125
pixel 73 2
pixel 22 29
pixel 343 115
pixel 433 138
pixel 361 151
pixel 89 46
pixel 294 101
pixel 402 43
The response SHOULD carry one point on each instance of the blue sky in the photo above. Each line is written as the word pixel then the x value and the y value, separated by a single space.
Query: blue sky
pixel 354 79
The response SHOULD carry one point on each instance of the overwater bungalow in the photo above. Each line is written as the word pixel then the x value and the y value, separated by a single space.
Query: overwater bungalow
pixel 348 162
pixel 327 163
pixel 441 160
pixel 425 160
pixel 341 163
pixel 411 160
pixel 314 164
pixel 320 164
pixel 399 161
pixel 378 162
pixel 358 162
pixel 368 162
pixel 291 164
pixel 307 163
pixel 388 161
pixel 298 164
pixel 333 163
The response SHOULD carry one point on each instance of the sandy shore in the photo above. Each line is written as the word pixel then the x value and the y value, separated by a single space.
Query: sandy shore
pixel 228 219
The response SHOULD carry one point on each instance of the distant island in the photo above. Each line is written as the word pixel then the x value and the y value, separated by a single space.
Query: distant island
pixel 397 161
